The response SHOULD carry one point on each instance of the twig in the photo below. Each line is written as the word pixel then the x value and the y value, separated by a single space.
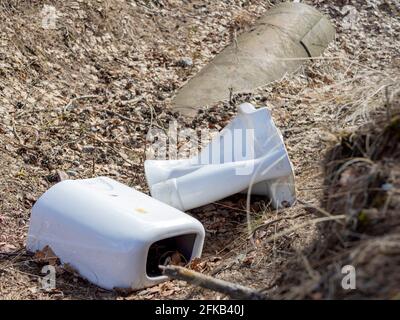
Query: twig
pixel 14 254
pixel 107 143
pixel 78 98
pixel 320 210
pixel 16 133
pixel 388 104
pixel 302 225
pixel 113 113
pixel 268 223
pixel 94 165
pixel 122 117
pixel 235 291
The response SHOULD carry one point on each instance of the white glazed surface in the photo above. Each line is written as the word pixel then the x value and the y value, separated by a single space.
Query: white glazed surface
pixel 207 177
pixel 104 230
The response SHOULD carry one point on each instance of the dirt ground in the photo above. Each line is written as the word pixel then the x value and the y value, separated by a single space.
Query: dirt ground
pixel 80 98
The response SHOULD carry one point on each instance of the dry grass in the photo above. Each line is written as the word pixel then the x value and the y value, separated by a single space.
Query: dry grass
pixel 362 186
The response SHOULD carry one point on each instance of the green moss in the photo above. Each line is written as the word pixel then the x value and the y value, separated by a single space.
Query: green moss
pixel 362 217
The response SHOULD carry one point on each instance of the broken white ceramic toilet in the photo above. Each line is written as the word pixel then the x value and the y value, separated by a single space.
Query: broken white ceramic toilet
pixel 113 235
pixel 278 43
pixel 249 154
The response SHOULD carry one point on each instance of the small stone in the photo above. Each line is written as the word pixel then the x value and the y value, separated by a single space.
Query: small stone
pixel 7 248
pixel 58 176
pixel 61 175
pixel 387 187
pixel 350 17
pixel 72 173
pixel 127 96
pixel 88 149
pixel 33 290
pixel 185 62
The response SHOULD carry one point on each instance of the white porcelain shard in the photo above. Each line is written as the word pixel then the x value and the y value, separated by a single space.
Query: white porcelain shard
pixel 113 235
pixel 249 151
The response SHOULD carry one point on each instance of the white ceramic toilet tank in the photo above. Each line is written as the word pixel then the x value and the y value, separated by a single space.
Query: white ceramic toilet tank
pixel 113 235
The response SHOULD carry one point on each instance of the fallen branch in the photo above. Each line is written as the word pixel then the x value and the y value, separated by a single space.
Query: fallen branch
pixel 235 291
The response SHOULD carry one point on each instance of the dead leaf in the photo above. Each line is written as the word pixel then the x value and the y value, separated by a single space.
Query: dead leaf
pixel 167 293
pixel 123 291
pixel 155 289
pixel 347 177
pixel 177 259
pixel 46 256
pixel 195 265
pixel 7 248
pixel 29 199
pixel 70 269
